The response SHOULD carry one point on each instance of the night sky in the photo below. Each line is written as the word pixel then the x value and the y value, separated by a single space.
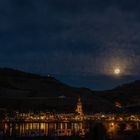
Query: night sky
pixel 80 42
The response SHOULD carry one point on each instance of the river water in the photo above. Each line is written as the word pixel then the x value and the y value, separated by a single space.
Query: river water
pixel 21 129
pixel 45 129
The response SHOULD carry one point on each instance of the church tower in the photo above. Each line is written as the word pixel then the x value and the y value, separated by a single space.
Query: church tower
pixel 79 109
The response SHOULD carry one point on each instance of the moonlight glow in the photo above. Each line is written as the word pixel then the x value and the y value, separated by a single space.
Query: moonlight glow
pixel 117 71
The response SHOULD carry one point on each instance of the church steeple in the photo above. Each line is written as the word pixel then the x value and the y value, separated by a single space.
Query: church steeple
pixel 79 108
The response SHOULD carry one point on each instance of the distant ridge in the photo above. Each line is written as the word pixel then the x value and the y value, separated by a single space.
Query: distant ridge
pixel 127 94
pixel 22 90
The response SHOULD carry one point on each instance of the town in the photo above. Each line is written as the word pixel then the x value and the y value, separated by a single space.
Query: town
pixel 29 124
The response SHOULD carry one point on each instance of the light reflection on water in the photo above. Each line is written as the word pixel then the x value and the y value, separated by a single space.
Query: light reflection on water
pixel 45 128
pixel 20 129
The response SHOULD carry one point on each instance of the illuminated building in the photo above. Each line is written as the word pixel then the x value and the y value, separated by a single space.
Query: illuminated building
pixel 79 109
pixel 118 105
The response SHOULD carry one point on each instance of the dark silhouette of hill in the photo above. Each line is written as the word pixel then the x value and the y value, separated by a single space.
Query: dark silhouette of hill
pixel 22 90
pixel 26 91
pixel 127 94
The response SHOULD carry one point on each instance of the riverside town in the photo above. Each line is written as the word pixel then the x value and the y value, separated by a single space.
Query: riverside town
pixel 50 124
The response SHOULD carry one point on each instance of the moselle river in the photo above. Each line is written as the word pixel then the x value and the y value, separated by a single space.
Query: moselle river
pixel 45 129
pixel 20 129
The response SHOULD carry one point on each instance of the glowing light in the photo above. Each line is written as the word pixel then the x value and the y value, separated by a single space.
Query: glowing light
pixel 117 71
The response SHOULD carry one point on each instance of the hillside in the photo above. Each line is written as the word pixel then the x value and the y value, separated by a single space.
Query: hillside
pixel 26 91
pixel 128 95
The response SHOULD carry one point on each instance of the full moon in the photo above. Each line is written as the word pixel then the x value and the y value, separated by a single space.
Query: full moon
pixel 117 71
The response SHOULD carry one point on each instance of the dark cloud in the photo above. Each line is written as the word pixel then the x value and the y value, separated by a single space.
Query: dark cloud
pixel 87 37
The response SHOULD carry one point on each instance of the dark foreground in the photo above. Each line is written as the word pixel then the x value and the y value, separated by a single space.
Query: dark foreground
pixel 90 136
pixel 72 138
